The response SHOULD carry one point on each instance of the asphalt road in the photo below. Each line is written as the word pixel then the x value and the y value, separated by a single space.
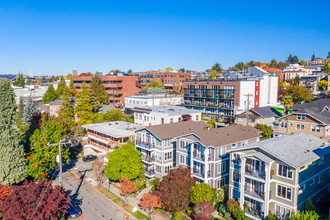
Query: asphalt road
pixel 93 204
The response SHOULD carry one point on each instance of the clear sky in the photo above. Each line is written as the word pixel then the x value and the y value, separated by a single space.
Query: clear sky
pixel 54 37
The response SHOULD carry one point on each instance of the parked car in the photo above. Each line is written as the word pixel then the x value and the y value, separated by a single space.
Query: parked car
pixel 89 158
pixel 74 211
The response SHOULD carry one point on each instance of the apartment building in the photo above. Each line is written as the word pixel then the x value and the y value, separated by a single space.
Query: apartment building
pixel 263 115
pixel 294 70
pixel 278 175
pixel 205 152
pixel 117 87
pixel 164 114
pixel 311 82
pixel 165 77
pixel 104 137
pixel 309 118
pixel 157 145
pixel 225 98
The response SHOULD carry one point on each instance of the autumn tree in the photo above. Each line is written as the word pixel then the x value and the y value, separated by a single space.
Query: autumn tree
pixel 303 62
pixel 323 84
pixel 168 69
pixel 66 111
pixel 124 161
pixel 281 65
pixel 213 74
pixel 4 192
pixel 266 131
pixel 155 82
pixel 12 160
pixel 203 211
pixel 149 202
pixel 34 200
pixel 84 108
pixel 299 93
pixel 287 102
pixel 72 90
pixel 327 68
pixel 98 170
pixel 126 187
pixel 234 209
pixel 174 189
pixel 201 192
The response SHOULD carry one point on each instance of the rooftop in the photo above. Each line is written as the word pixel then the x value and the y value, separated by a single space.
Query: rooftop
pixel 169 110
pixel 294 150
pixel 320 109
pixel 115 129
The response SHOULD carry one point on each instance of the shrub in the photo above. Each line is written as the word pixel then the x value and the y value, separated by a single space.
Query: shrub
pixel 177 216
pixel 272 217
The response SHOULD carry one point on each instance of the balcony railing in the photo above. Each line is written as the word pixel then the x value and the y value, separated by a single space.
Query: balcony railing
pixel 199 156
pixel 254 193
pixel 149 172
pixel 147 158
pixel 255 212
pixel 198 172
pixel 255 173
pixel 145 144
pixel 208 105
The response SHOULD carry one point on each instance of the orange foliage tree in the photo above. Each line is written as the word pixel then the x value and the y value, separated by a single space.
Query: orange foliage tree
pixel 149 202
pixel 4 192
pixel 126 187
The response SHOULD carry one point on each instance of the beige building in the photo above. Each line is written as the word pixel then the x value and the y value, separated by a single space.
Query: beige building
pixel 263 115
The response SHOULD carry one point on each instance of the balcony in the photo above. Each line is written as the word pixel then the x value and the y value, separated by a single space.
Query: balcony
pixel 254 193
pixel 254 173
pixel 198 172
pixel 145 144
pixel 199 156
pixel 148 159
pixel 149 172
pixel 255 213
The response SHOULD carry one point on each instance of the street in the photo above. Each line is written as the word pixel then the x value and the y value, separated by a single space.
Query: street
pixel 93 204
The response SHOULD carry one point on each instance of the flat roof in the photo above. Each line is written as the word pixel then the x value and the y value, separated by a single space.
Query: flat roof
pixel 153 97
pixel 168 110
pixel 117 129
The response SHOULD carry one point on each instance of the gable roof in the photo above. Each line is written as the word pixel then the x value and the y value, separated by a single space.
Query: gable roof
pixel 294 150
pixel 266 112
pixel 316 109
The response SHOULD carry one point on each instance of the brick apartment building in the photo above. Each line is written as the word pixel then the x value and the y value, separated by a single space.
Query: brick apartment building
pixel 117 87
pixel 225 98
pixel 167 78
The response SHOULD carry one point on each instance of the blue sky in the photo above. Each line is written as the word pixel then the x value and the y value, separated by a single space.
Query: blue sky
pixel 54 37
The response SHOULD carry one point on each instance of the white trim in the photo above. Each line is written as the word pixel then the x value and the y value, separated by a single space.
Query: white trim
pixel 280 182
pixel 275 201
pixel 286 192
pixel 277 167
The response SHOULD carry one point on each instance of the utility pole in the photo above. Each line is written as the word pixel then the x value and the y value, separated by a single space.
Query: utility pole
pixel 247 108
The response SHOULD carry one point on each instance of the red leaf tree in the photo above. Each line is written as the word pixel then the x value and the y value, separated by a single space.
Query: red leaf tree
pixel 173 191
pixel 126 187
pixel 203 211
pixel 4 192
pixel 38 200
pixel 149 202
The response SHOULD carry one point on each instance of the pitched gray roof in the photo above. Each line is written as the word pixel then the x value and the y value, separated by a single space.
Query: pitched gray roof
pixel 267 112
pixel 294 150
pixel 315 109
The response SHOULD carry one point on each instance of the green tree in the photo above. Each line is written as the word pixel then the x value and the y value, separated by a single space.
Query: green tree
pixel 130 71
pixel 295 60
pixel 313 57
pixel 266 131
pixel 20 81
pixel 273 63
pixel 272 217
pixel 217 67
pixel 29 110
pixel 309 206
pixel 299 93
pixel 116 115
pixel 12 160
pixel 323 84
pixel 84 107
pixel 66 109
pixel 310 215
pixel 201 192
pixel 50 95
pixel 297 79
pixel 124 161
pixel 327 68
pixel 99 90
pixel 303 62
pixel 289 60
pixel 281 65
pixel 155 82
pixel 60 87
pixel 21 110
pixel 42 157
pixel 72 90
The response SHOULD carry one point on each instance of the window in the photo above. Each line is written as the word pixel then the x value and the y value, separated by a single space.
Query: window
pixel 197 118
pixel 316 128
pixel 284 192
pixel 321 160
pixel 244 143
pixel 158 169
pixel 171 120
pixel 236 159
pixel 284 171
pixel 284 124
pixel 234 145
pixel 220 151
pixel 312 181
pixel 301 117
pixel 182 144
pixel 236 177
pixel 300 127
pixel 136 116
pixel 236 194
pixel 168 156
pixel 168 168
pixel 182 159
pixel 222 167
pixel 282 212
pixel 320 178
pixel 162 120
pixel 302 188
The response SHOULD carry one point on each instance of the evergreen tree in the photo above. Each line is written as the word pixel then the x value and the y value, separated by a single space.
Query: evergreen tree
pixel 99 90
pixel 273 63
pixel 72 90
pixel 84 107
pixel 29 110
pixel 50 95
pixel 289 60
pixel 295 60
pixel 66 110
pixel 12 161
pixel 313 57
pixel 94 100
pixel 60 87
pixel 217 67
pixel 20 81
pixel 21 110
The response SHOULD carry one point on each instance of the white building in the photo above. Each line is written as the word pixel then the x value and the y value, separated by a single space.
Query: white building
pixel 141 101
pixel 294 70
pixel 164 114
